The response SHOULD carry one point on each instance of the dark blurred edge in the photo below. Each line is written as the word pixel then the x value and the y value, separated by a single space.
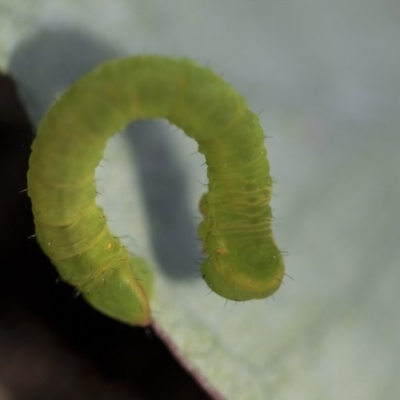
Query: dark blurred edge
pixel 52 345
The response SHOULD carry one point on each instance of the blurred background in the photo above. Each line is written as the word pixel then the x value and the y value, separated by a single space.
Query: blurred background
pixel 323 77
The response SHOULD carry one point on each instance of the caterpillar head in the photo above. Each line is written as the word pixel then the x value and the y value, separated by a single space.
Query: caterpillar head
pixel 244 272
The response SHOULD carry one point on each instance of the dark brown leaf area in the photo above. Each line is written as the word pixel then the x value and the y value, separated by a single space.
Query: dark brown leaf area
pixel 53 345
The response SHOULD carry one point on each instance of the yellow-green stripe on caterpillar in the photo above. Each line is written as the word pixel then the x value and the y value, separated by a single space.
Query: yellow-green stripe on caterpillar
pixel 242 260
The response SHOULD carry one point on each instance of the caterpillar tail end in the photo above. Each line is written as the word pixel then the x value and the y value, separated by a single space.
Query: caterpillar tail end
pixel 125 294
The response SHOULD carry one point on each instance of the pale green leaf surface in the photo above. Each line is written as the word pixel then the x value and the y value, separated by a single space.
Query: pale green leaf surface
pixel 325 75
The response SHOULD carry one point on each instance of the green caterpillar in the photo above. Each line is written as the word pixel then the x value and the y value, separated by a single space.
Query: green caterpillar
pixel 242 260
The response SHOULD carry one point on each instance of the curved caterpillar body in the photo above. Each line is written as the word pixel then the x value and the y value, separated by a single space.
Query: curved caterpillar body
pixel 243 261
